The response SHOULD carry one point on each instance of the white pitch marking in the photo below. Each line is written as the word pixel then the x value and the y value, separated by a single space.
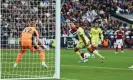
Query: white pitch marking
pixel 110 68
pixel 67 79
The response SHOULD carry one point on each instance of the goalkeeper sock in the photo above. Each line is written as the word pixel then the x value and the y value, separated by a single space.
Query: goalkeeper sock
pixel 42 56
pixel 78 53
pixel 96 53
pixel 19 57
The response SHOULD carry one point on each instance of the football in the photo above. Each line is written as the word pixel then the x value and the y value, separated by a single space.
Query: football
pixel 86 55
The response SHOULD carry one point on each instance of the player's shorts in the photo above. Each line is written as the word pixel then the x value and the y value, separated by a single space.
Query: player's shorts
pixel 95 42
pixel 28 44
pixel 119 42
pixel 81 45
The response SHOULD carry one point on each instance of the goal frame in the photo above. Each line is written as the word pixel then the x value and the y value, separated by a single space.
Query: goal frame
pixel 58 33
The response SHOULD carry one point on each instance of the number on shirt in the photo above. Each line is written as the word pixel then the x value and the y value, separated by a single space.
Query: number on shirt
pixel 27 30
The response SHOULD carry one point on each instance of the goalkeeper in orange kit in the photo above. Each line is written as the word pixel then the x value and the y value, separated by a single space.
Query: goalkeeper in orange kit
pixel 26 42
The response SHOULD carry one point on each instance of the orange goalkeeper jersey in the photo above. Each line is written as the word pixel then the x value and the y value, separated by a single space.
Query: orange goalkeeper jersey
pixel 28 33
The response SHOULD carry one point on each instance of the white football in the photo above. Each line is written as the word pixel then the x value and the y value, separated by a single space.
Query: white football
pixel 87 55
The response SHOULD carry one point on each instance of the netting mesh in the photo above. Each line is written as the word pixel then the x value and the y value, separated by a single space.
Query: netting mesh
pixel 15 16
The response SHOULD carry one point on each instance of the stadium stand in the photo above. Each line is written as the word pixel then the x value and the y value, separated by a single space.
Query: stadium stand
pixel 87 11
pixel 124 6
pixel 16 14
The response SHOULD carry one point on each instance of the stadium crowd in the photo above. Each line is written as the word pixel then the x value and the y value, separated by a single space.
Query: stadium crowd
pixel 87 11
pixel 16 14
pixel 123 6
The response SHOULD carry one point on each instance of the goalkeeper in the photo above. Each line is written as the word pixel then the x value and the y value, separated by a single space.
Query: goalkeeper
pixel 26 42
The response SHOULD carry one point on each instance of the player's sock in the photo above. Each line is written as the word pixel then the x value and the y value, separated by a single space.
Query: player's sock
pixel 44 65
pixel 19 57
pixel 42 56
pixel 122 49
pixel 15 65
pixel 78 53
pixel 99 55
pixel 116 49
pixel 82 54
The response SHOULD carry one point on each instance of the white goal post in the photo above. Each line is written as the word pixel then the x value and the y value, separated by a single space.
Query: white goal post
pixel 58 34
pixel 30 66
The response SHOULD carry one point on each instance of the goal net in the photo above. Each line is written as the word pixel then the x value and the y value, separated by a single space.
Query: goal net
pixel 14 17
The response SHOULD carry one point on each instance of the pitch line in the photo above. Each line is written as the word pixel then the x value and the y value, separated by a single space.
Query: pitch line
pixel 110 68
pixel 67 79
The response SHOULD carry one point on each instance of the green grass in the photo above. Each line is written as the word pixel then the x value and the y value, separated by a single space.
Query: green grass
pixel 115 66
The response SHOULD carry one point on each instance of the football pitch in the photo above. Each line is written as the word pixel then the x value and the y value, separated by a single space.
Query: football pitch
pixel 115 66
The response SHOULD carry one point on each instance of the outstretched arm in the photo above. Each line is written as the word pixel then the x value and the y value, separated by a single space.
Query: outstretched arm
pixel 101 35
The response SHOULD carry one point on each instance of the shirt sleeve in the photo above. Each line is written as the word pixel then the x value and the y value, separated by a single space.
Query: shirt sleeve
pixel 101 34
pixel 100 31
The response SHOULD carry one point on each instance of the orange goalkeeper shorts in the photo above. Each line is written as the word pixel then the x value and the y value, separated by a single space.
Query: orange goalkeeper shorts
pixel 27 44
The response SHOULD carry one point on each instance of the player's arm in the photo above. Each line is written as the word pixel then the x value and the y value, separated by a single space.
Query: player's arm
pixel 101 35
pixel 89 36
pixel 20 39
pixel 116 32
pixel 37 37
pixel 123 36
pixel 90 33
pixel 69 24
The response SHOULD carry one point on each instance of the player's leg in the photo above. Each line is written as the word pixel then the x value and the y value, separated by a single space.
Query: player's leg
pixel 20 55
pixel 121 43
pixel 94 42
pixel 81 53
pixel 77 50
pixel 41 53
pixel 92 49
pixel 116 49
pixel 42 56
